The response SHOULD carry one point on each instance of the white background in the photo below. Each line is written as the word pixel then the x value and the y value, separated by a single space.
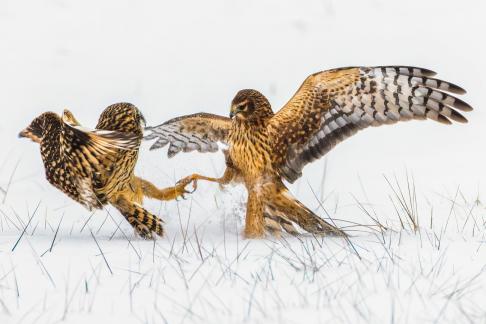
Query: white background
pixel 178 57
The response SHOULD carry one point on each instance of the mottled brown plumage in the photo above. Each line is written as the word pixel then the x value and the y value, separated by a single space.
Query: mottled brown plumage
pixel 96 167
pixel 330 106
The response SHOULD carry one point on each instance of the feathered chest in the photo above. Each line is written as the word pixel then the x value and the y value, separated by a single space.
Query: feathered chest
pixel 249 150
pixel 121 172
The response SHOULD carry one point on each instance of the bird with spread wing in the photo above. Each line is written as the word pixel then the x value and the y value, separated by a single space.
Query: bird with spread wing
pixel 264 148
pixel 96 167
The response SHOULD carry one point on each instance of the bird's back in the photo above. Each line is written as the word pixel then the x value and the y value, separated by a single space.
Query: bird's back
pixel 124 118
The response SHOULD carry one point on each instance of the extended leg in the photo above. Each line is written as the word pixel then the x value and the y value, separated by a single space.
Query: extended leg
pixel 228 176
pixel 254 222
pixel 144 223
pixel 151 191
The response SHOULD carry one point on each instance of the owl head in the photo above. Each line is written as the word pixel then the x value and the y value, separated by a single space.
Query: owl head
pixel 122 117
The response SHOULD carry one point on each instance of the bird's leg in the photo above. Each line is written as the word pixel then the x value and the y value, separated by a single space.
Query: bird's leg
pixel 151 191
pixel 254 222
pixel 144 223
pixel 228 176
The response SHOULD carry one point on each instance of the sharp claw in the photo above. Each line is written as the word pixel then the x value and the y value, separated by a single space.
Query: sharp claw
pixel 189 192
pixel 182 186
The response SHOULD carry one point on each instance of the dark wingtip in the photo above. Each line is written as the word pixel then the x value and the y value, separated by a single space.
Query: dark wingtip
pixel 443 120
pixel 154 146
pixel 462 105
pixel 458 117
pixel 454 88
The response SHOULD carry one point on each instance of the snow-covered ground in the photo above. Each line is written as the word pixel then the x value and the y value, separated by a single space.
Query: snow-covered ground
pixel 60 263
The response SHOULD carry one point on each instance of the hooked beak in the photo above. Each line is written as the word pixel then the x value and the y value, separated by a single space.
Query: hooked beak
pixel 24 133
pixel 233 112
pixel 27 133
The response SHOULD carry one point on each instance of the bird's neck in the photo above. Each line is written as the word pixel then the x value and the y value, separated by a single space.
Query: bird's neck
pixel 250 132
pixel 258 125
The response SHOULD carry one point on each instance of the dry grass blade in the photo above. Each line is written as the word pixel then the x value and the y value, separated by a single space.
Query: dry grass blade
pixel 407 201
pixel 5 191
pixel 25 227
pixel 101 251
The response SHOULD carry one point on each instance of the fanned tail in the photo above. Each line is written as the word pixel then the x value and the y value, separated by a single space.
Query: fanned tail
pixel 283 211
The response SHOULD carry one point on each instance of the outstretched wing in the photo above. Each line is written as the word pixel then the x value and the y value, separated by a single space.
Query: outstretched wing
pixel 89 155
pixel 201 132
pixel 331 106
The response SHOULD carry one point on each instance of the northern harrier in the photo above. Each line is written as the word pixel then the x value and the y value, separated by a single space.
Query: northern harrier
pixel 96 167
pixel 265 147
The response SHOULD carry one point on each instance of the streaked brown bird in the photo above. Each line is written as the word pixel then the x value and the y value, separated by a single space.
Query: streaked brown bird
pixel 96 167
pixel 265 148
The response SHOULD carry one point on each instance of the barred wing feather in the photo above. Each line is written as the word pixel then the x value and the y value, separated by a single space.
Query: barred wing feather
pixel 333 105
pixel 199 132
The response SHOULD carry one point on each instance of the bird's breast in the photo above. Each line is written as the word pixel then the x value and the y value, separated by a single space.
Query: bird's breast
pixel 121 174
pixel 250 152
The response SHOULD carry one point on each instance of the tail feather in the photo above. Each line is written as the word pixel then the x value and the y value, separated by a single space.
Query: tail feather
pixel 275 221
pixel 316 225
pixel 284 210
pixel 272 225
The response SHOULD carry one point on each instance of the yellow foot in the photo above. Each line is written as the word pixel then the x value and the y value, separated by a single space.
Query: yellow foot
pixel 194 178
pixel 180 188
